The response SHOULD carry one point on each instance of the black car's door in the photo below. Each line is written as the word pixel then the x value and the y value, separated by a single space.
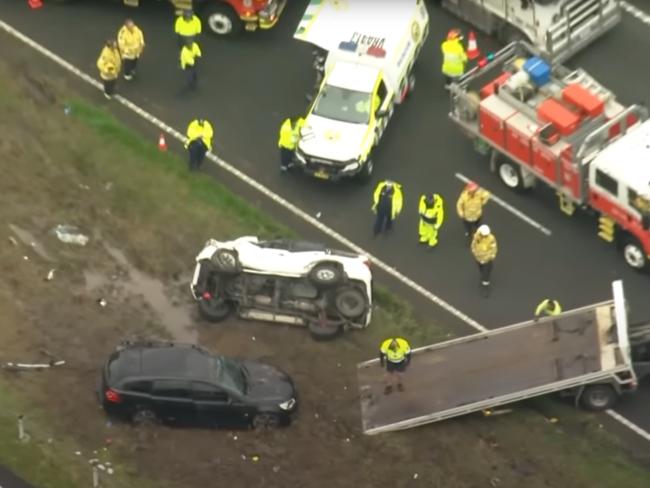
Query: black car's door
pixel 173 401
pixel 215 406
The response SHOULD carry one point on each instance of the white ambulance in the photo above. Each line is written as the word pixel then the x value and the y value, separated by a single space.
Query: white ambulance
pixel 371 50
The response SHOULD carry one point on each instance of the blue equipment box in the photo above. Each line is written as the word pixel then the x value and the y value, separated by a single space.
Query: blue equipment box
pixel 538 70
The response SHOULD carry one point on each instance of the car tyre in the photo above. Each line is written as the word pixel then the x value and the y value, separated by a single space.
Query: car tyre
pixel 350 302
pixel 144 417
pixel 266 420
pixel 326 274
pixel 597 398
pixel 226 261
pixel 324 332
pixel 221 20
pixel 214 309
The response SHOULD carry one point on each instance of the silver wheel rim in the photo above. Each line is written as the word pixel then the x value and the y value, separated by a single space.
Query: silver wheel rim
pixel 598 399
pixel 220 24
pixel 227 260
pixel 509 175
pixel 634 256
pixel 325 274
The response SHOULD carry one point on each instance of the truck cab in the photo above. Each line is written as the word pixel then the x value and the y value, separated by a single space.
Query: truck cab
pixel 371 51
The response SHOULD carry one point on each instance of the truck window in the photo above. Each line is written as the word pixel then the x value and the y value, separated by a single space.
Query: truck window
pixel 606 182
pixel 638 202
pixel 342 104
pixel 382 92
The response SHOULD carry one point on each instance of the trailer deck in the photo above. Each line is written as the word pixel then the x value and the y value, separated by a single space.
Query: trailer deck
pixel 492 368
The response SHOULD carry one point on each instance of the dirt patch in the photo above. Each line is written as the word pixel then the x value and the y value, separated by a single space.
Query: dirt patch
pixel 131 279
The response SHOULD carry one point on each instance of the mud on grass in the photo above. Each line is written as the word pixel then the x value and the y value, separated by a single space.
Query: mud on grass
pixel 86 169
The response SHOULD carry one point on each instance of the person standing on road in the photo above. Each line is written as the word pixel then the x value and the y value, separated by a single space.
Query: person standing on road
pixel 470 207
pixel 432 214
pixel 190 55
pixel 395 356
pixel 387 205
pixel 199 142
pixel 547 308
pixel 484 249
pixel 130 40
pixel 288 140
pixel 187 28
pixel 109 65
pixel 454 56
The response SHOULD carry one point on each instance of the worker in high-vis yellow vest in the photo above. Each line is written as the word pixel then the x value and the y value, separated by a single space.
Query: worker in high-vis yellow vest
pixel 470 207
pixel 395 356
pixel 199 142
pixel 432 214
pixel 288 140
pixel 548 307
pixel 454 56
pixel 190 54
pixel 187 27
pixel 387 202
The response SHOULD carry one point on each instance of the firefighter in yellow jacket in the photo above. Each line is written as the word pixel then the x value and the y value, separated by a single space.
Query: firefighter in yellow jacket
pixel 387 205
pixel 109 65
pixel 470 207
pixel 484 249
pixel 432 214
pixel 199 141
pixel 454 56
pixel 130 40
pixel 548 307
pixel 189 57
pixel 288 140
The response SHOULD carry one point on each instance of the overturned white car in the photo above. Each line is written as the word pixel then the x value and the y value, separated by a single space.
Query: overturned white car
pixel 286 281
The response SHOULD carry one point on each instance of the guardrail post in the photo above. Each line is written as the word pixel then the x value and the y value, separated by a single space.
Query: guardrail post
pixel 22 435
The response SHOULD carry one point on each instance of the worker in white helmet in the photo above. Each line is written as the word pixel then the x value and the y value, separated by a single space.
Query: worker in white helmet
pixel 484 249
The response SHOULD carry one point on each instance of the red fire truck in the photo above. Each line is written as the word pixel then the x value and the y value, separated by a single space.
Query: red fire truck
pixel 542 122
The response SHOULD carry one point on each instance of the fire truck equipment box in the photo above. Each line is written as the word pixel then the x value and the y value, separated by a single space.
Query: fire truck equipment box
pixel 589 345
pixel 582 98
pixel 550 110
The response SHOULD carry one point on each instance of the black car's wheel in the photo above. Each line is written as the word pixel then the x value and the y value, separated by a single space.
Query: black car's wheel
pixel 326 274
pixel 226 260
pixel 144 417
pixel 221 19
pixel 350 302
pixel 214 309
pixel 266 420
pixel 324 332
pixel 598 397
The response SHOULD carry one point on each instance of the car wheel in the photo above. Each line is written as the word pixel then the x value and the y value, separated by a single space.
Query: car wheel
pixel 266 420
pixel 633 253
pixel 214 309
pixel 222 20
pixel 350 302
pixel 598 397
pixel 226 260
pixel 324 332
pixel 144 417
pixel 326 274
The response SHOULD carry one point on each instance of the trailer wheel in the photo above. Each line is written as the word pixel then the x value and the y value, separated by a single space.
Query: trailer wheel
pixel 634 254
pixel 511 175
pixel 214 309
pixel 221 19
pixel 326 274
pixel 598 397
pixel 350 302
pixel 226 260
pixel 324 332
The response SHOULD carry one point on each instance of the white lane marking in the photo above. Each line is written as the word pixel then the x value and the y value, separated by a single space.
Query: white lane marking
pixel 630 425
pixel 251 182
pixel 636 12
pixel 511 209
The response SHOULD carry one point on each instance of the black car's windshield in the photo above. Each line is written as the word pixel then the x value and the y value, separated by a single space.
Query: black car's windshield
pixel 231 374
pixel 342 104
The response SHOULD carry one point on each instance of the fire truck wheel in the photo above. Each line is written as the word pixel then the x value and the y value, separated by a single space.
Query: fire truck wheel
pixel 511 176
pixel 633 254
pixel 221 19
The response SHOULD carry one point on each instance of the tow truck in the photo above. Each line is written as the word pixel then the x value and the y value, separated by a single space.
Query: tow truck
pixel 589 353
pixel 371 51
pixel 558 28
pixel 226 17
pixel 544 123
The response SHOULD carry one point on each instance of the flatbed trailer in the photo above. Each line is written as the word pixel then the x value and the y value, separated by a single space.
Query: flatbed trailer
pixel 585 351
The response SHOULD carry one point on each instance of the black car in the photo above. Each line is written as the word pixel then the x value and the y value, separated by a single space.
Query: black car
pixel 185 384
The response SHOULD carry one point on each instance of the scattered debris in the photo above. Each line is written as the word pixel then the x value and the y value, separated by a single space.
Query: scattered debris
pixel 78 453
pixel 13 241
pixel 32 366
pixel 25 258
pixel 318 215
pixel 253 338
pixel 243 457
pixel 276 469
pixel 108 186
pixel 552 420
pixel 101 302
pixel 67 110
pixel 234 438
pixel 415 476
pixel 495 482
pixel 70 235
pixel 255 458
pixel 50 275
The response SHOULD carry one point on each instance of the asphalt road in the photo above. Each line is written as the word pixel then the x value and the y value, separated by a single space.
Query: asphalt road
pixel 250 84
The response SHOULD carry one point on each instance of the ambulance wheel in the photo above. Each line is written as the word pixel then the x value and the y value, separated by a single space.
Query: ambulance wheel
pixel 221 19
pixel 510 175
pixel 365 174
pixel 633 253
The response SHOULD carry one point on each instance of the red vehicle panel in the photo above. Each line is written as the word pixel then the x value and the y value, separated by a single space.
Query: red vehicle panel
pixel 583 99
pixel 544 161
pixel 552 111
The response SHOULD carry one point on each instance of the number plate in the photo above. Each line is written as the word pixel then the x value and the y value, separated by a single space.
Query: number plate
pixel 321 174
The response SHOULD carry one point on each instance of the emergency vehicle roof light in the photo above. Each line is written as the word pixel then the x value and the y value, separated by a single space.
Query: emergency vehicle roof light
pixel 376 52
pixel 348 46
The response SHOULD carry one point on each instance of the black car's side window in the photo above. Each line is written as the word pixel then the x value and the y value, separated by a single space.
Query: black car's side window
pixel 208 392
pixel 138 386
pixel 172 389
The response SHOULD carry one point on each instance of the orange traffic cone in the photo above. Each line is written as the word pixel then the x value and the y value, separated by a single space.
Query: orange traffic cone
pixel 162 144
pixel 472 46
